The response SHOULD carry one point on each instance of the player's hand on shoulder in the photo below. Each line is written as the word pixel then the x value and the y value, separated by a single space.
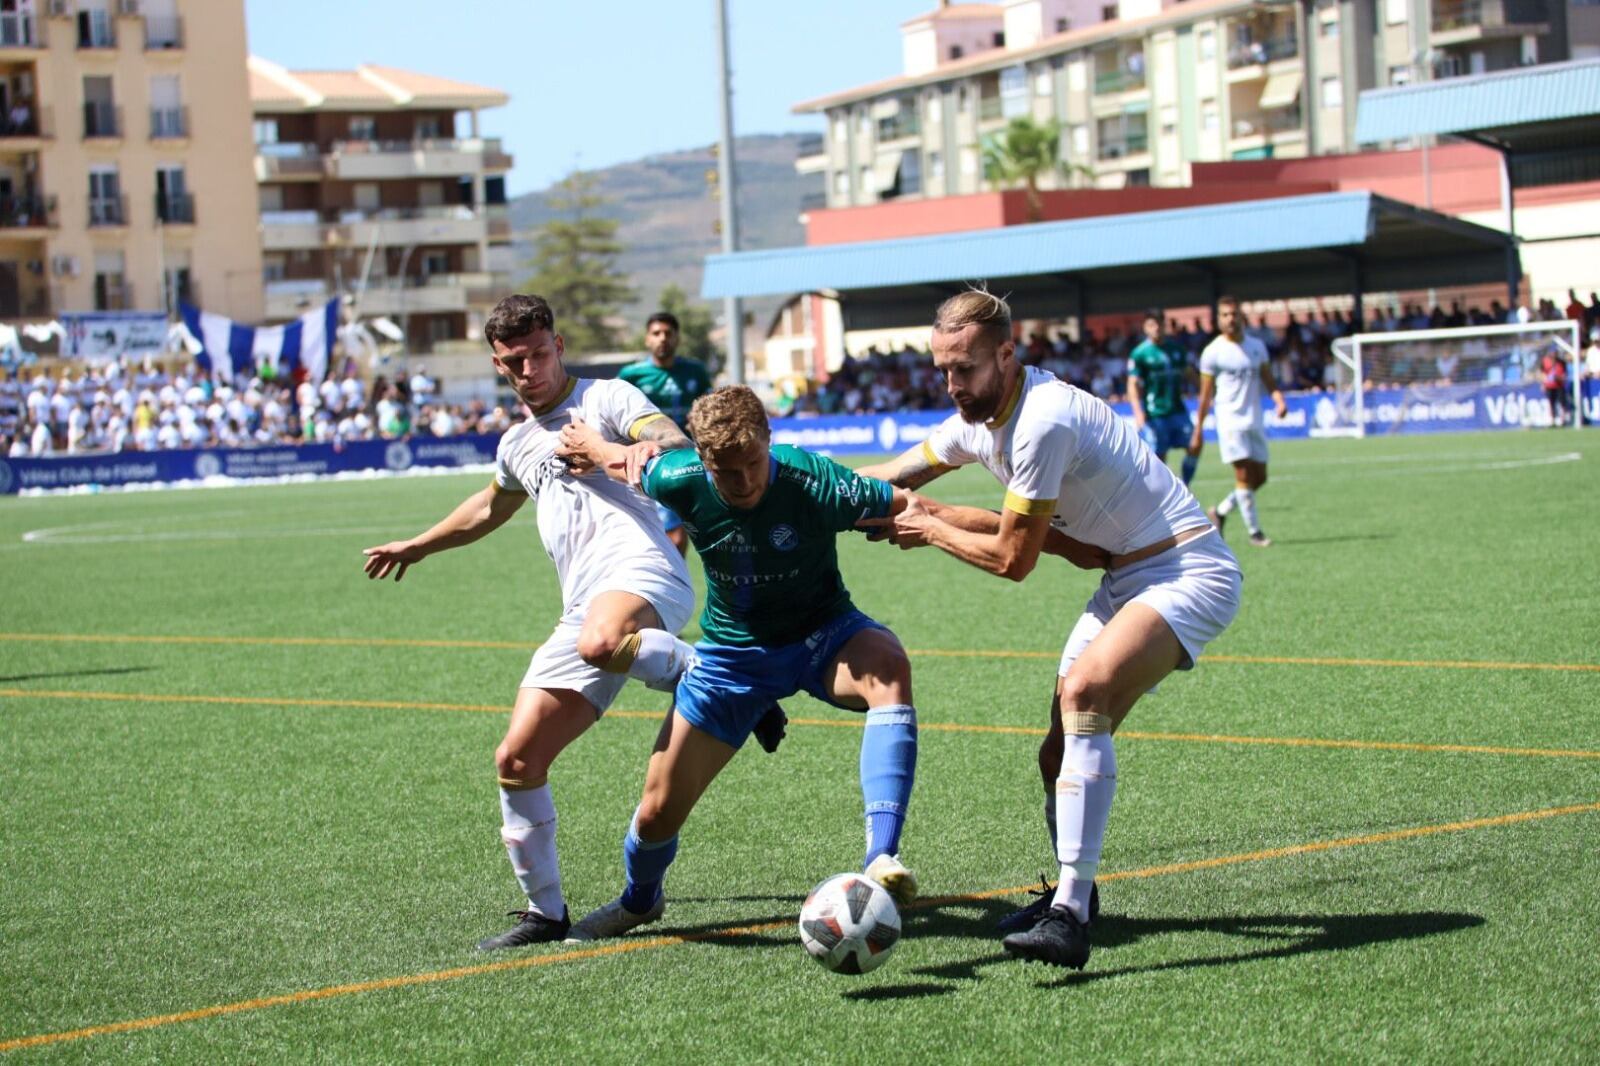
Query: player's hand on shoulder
pixel 636 457
pixel 580 444
pixel 394 557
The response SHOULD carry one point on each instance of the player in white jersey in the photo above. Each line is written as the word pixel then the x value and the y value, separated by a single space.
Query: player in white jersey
pixel 1079 482
pixel 624 587
pixel 1234 370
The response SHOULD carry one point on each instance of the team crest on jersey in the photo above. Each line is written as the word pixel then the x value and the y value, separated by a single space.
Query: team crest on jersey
pixel 784 538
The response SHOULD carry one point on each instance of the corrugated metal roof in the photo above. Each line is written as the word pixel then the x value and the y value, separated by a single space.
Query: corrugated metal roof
pixel 1193 234
pixel 1547 93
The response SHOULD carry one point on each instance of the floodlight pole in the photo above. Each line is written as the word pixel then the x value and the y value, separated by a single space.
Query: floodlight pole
pixel 727 178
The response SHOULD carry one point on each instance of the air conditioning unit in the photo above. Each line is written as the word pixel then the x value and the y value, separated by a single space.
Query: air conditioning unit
pixel 127 7
pixel 59 9
pixel 64 266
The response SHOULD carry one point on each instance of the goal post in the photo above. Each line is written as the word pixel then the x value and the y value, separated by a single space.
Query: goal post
pixel 1443 367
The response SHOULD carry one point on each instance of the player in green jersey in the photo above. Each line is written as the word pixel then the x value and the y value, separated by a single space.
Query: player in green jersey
pixel 777 620
pixel 673 385
pixel 1158 369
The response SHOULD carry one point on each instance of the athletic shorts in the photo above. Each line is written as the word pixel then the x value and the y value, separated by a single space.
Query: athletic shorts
pixel 1167 432
pixel 726 693
pixel 557 665
pixel 669 517
pixel 1194 587
pixel 1249 442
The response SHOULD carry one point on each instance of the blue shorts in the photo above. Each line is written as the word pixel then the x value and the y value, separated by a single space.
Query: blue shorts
pixel 1168 431
pixel 669 517
pixel 729 689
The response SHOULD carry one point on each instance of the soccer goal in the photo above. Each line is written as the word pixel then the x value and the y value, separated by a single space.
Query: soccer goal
pixel 1385 378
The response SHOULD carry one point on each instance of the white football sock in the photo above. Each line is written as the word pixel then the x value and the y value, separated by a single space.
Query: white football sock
pixel 1084 791
pixel 1247 508
pixel 528 827
pixel 1226 506
pixel 659 659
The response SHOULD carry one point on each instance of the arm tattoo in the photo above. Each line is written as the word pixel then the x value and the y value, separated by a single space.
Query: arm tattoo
pixel 665 432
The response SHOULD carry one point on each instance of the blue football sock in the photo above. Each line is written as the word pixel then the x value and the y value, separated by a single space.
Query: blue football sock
pixel 888 766
pixel 1189 464
pixel 645 864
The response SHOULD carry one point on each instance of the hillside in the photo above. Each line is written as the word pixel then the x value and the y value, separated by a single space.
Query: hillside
pixel 668 214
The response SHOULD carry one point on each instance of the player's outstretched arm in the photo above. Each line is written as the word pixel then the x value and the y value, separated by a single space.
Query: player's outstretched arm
pixel 977 520
pixel 910 470
pixel 1011 551
pixel 478 515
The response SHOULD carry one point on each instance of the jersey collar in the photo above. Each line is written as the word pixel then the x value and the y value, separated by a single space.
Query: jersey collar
pixel 1010 406
pixel 572 383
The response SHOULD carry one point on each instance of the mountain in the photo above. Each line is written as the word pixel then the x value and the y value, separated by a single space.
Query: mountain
pixel 668 214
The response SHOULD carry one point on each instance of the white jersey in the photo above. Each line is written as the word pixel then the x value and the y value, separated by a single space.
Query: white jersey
pixel 1237 370
pixel 1062 452
pixel 602 535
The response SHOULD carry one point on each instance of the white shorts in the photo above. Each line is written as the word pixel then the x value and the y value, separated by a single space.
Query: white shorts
pixel 1193 587
pixel 1247 442
pixel 557 665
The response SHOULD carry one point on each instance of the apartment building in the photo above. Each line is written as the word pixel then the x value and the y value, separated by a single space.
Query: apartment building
pixel 377 183
pixel 124 158
pixel 1144 88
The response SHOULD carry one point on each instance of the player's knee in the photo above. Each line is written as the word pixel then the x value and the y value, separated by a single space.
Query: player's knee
pixel 891 678
pixel 1082 693
pixel 598 645
pixel 521 763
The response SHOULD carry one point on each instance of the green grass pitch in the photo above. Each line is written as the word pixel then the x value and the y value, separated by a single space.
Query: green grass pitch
pixel 263 849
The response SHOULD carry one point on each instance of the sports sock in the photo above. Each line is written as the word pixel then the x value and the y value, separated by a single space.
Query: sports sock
pixel 1190 463
pixel 645 863
pixel 528 827
pixel 653 656
pixel 888 765
pixel 1247 508
pixel 1226 506
pixel 1084 791
pixel 1050 815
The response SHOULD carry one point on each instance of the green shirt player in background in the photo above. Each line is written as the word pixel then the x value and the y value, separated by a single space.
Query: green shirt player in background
pixel 673 385
pixel 777 620
pixel 1158 370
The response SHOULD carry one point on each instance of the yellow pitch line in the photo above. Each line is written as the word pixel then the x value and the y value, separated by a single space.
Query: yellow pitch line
pixel 942 653
pixel 630 946
pixel 853 722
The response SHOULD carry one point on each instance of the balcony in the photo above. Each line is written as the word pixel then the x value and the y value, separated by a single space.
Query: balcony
pixel 112 294
pixel 1121 148
pixel 163 33
pixel 1267 123
pixel 434 294
pixel 27 213
pixel 905 124
pixel 498 220
pixel 495 157
pixel 175 209
pixel 1459 21
pixel 288 160
pixel 355 228
pixel 108 211
pixel 169 123
pixel 20 31
pixel 292 297
pixel 1119 71
pixel 101 120
pixel 377 160
pixel 96 30
pixel 1261 51
pixel 25 124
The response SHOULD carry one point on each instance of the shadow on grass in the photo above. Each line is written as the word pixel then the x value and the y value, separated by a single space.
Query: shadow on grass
pixel 79 673
pixel 1348 538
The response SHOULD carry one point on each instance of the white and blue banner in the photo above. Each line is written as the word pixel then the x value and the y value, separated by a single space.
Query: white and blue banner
pixel 306 343
pixel 101 336
pixel 1489 408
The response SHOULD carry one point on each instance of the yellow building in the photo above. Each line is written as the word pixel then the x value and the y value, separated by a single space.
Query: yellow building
pixel 376 183
pixel 125 158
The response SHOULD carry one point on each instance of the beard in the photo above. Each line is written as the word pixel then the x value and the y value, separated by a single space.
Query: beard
pixel 981 408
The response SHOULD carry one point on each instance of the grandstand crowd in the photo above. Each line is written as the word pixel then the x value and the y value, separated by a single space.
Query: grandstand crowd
pixel 123 406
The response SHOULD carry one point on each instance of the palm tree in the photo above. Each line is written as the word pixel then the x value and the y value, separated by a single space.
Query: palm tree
pixel 1023 152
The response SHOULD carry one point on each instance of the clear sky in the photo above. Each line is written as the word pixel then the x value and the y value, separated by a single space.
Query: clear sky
pixel 596 82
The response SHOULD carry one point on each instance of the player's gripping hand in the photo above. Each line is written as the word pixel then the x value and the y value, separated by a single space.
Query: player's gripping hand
pixel 907 529
pixel 636 457
pixel 581 446
pixel 1083 556
pixel 393 557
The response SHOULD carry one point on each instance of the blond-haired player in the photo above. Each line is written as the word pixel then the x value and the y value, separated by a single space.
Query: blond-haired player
pixel 1069 465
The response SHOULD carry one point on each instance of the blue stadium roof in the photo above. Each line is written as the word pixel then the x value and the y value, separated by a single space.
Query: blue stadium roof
pixel 1258 249
pixel 1524 108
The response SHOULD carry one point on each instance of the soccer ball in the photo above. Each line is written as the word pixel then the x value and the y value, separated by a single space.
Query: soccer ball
pixel 849 924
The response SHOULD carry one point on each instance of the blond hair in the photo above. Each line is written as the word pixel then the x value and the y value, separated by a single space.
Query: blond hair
pixel 975 306
pixel 728 419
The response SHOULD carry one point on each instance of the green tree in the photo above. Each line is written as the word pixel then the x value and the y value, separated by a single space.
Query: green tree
pixel 575 266
pixel 1024 152
pixel 694 327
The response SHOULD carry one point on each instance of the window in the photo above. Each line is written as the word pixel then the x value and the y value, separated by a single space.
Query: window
pixel 110 287
pixel 1108 13
pixel 174 203
pixel 935 166
pixel 166 106
pixel 271 197
pixel 438 329
pixel 99 108
pixel 1041 83
pixel 999 40
pixel 1329 28
pixel 1210 118
pixel 935 110
pixel 1332 92
pixel 266 130
pixel 841 184
pixel 1063 25
pixel 427 128
pixel 363 128
pixel 435 263
pixel 969 162
pixel 1080 142
pixel 841 130
pixel 866 181
pixel 272 266
pixel 955 51
pixel 1138 178
pixel 1207 44
pixel 105 196
pixel 430 194
pixel 365 195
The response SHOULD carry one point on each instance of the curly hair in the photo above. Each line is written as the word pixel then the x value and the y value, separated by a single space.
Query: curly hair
pixel 517 316
pixel 728 419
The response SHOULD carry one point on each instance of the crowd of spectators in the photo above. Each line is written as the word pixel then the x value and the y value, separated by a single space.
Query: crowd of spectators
pixel 122 407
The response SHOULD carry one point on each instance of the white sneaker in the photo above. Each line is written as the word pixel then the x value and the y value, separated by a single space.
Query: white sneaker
pixel 896 880
pixel 612 920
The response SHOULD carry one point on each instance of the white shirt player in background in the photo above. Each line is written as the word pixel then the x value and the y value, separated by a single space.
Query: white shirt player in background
pixel 1079 483
pixel 1234 370
pixel 625 590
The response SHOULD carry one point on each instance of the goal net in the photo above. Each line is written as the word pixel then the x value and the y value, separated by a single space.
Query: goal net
pixel 1384 380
